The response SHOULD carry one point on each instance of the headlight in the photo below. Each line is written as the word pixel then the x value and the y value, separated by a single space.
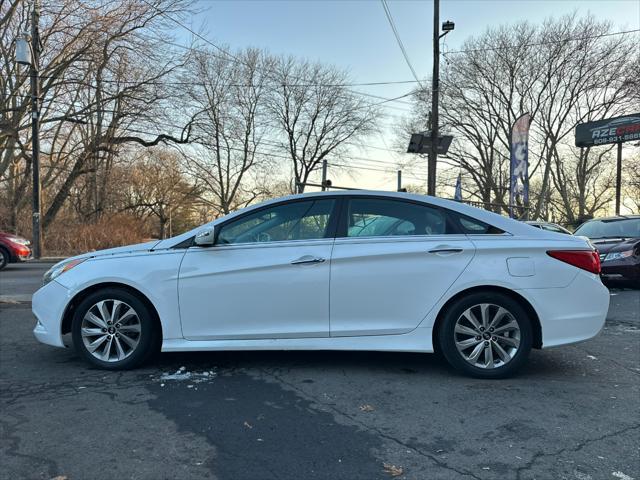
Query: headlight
pixel 618 255
pixel 59 268
pixel 20 241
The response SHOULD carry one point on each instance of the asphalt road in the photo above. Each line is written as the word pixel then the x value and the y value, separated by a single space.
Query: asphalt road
pixel 573 413
pixel 19 280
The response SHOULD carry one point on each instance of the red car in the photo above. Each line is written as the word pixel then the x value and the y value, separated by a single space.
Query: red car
pixel 13 249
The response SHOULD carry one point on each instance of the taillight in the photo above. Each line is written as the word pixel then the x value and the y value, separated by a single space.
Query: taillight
pixel 585 259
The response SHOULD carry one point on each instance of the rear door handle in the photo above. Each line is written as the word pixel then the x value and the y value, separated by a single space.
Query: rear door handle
pixel 307 259
pixel 446 250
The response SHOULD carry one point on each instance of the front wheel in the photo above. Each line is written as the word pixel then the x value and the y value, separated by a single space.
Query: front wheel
pixel 4 258
pixel 113 329
pixel 486 335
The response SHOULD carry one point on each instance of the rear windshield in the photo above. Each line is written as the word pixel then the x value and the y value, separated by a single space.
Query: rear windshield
pixel 625 228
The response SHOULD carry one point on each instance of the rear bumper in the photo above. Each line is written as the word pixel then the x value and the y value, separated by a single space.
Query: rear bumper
pixel 48 305
pixel 571 314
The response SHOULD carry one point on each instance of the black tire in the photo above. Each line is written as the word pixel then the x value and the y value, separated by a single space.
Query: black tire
pixel 4 258
pixel 149 336
pixel 447 341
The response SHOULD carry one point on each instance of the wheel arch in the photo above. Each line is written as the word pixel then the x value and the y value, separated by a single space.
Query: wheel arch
pixel 10 258
pixel 524 303
pixel 81 295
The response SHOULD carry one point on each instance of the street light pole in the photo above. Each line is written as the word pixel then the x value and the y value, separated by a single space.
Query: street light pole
pixel 435 81
pixel 35 127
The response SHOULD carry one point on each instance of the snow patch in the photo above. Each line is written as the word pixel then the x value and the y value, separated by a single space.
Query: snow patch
pixel 621 475
pixel 183 374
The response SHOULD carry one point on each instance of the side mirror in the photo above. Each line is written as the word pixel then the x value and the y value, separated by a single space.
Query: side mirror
pixel 205 237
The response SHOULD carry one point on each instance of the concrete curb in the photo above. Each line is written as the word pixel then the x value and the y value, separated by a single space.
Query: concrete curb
pixel 13 299
pixel 46 260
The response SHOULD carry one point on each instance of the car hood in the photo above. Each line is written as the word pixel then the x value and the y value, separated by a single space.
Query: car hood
pixel 606 245
pixel 138 247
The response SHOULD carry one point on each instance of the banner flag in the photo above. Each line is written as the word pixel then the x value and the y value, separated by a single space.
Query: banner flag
pixel 519 166
pixel 458 194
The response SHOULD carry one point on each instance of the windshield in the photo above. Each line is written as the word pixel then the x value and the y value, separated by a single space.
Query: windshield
pixel 625 228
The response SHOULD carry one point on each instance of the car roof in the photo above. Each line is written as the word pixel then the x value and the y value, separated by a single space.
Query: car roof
pixel 508 225
pixel 503 223
pixel 614 218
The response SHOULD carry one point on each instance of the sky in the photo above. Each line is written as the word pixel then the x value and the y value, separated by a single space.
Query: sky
pixel 356 36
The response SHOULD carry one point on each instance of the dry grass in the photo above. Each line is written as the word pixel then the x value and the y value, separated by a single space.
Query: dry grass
pixel 69 238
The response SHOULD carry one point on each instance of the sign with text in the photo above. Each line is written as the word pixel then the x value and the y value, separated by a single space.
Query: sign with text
pixel 611 130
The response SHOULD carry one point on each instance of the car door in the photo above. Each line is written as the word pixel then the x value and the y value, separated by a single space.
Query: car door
pixel 267 275
pixel 392 261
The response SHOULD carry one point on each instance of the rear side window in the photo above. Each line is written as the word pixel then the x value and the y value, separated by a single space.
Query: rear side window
pixel 372 217
pixel 472 226
pixel 376 217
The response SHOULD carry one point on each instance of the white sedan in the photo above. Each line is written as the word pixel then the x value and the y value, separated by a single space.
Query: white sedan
pixel 353 270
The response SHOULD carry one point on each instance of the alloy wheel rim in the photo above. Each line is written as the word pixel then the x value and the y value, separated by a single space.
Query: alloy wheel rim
pixel 487 336
pixel 111 330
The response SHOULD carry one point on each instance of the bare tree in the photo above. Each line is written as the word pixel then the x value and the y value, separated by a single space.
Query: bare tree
pixel 632 183
pixel 562 72
pixel 317 114
pixel 157 188
pixel 105 71
pixel 231 125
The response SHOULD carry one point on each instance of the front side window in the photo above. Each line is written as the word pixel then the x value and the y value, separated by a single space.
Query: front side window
pixel 372 217
pixel 305 220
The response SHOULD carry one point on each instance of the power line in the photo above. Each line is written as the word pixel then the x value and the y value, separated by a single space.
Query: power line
pixel 239 60
pixel 264 142
pixel 371 169
pixel 539 44
pixel 82 114
pixel 276 155
pixel 387 12
pixel 202 84
pixel 239 85
pixel 349 157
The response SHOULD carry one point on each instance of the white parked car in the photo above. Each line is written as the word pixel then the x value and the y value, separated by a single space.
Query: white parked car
pixel 353 270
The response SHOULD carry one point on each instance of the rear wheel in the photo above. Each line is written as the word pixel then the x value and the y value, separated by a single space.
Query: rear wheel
pixel 486 335
pixel 113 329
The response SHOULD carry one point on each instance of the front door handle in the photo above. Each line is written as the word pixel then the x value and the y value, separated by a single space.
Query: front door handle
pixel 446 250
pixel 307 259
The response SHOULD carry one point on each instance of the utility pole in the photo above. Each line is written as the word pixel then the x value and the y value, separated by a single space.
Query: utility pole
pixel 618 177
pixel 447 27
pixel 35 127
pixel 435 81
pixel 324 175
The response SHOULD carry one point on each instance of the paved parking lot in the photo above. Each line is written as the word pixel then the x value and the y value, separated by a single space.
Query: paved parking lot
pixel 573 413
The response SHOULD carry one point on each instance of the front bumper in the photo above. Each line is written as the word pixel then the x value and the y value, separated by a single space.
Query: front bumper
pixel 628 269
pixel 20 253
pixel 48 305
pixel 24 258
